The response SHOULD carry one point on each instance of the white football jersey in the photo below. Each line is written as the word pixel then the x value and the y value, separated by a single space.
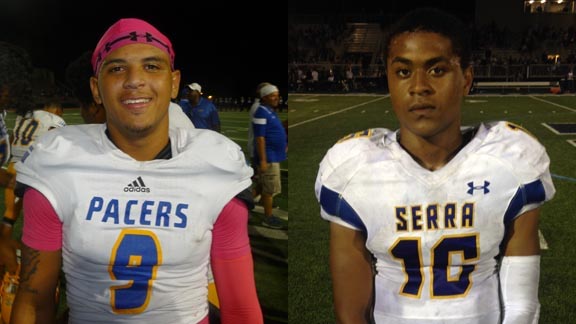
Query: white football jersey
pixel 177 118
pixel 136 235
pixel 31 126
pixel 435 235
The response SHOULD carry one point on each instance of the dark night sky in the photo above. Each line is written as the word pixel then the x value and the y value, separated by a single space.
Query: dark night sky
pixel 227 49
pixel 463 9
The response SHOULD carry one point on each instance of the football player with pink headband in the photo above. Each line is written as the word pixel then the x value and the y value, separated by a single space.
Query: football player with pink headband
pixel 132 210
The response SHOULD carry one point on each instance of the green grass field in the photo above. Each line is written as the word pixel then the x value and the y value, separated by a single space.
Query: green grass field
pixel 270 255
pixel 318 121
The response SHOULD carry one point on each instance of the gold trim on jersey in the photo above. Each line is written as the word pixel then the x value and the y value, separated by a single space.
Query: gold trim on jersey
pixel 463 261
pixel 407 248
pixel 364 133
pixel 516 127
pixel 134 261
pixel 406 276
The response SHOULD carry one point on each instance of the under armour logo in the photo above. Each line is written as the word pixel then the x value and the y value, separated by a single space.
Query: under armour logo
pixel 472 187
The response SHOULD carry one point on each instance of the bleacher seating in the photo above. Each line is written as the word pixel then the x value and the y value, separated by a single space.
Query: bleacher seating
pixel 365 38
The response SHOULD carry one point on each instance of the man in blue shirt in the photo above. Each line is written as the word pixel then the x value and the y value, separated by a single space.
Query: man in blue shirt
pixel 270 144
pixel 202 112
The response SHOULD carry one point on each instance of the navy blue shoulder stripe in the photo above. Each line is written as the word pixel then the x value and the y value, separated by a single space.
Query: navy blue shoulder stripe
pixel 530 193
pixel 335 205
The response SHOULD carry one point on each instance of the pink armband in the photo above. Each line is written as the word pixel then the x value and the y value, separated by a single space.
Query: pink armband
pixel 42 228
pixel 233 268
pixel 230 232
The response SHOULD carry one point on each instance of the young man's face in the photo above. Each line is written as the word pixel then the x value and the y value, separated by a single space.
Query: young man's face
pixel 135 85
pixel 426 83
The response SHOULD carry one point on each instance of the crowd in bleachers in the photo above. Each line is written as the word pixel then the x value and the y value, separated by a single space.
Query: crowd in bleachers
pixel 531 46
pixel 316 42
pixel 318 59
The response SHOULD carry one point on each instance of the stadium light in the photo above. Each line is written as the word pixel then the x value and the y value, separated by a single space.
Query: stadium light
pixel 542 1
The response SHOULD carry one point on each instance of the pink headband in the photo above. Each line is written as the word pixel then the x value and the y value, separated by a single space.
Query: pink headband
pixel 129 31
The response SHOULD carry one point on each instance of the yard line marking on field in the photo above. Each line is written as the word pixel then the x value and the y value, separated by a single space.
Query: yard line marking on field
pixel 563 177
pixel 550 128
pixel 553 103
pixel 543 243
pixel 337 112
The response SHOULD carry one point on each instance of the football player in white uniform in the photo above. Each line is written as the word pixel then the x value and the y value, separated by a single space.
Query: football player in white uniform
pixel 434 223
pixel 14 93
pixel 28 127
pixel 30 124
pixel 120 208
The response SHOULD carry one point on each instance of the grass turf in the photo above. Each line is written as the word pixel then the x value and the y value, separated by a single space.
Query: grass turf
pixel 318 121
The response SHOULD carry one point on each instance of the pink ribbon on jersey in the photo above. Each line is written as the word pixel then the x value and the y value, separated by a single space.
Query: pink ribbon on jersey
pixel 129 31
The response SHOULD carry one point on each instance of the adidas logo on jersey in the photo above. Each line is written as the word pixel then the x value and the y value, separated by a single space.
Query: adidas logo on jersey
pixel 137 186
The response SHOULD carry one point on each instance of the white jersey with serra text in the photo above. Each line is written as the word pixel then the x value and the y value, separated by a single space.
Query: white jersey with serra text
pixel 136 235
pixel 436 235
pixel 29 127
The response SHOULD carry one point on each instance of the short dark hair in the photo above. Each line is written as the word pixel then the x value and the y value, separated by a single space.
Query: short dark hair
pixel 435 21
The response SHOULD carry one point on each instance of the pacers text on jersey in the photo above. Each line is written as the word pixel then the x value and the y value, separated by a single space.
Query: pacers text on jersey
pixel 138 212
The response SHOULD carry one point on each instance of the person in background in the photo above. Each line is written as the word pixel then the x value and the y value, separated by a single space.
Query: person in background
pixel 434 223
pixel 29 126
pixel 257 189
pixel 270 149
pixel 15 93
pixel 250 146
pixel 119 208
pixel 201 111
